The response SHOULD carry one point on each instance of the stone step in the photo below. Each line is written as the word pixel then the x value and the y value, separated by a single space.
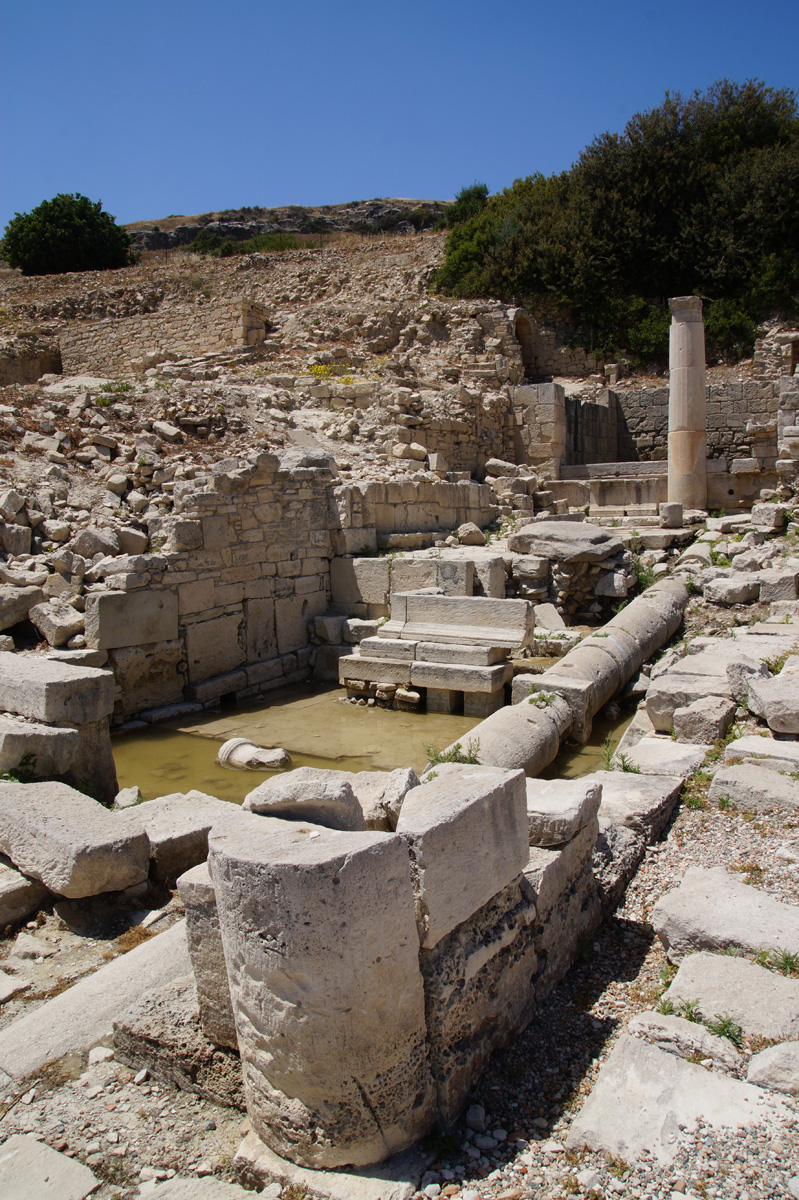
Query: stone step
pixel 763 1002
pixel 656 754
pixel 84 1013
pixel 753 789
pixel 711 910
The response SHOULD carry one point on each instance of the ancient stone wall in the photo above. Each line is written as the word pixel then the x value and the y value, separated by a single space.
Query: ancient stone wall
pixel 731 408
pixel 115 344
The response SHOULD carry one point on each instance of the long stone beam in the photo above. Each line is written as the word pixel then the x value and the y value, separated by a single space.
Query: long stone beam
pixel 563 700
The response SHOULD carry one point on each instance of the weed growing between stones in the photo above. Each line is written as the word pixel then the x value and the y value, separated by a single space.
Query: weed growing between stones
pixel 454 755
pixel 724 1026
pixel 689 1010
pixel 779 960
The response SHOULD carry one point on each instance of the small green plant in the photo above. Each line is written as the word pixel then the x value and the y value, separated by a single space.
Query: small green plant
pixel 724 1026
pixel 322 370
pixel 103 401
pixel 763 958
pixel 644 574
pixel 456 753
pixel 689 1010
pixel 665 1007
pixel 116 387
pixel 627 764
pixel 617 1167
pixel 785 962
pixel 542 699
pixel 691 586
pixel 719 560
pixel 607 749
pixel 724 804
pixel 23 772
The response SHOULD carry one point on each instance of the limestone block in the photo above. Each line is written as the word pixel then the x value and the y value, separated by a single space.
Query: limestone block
pixel 56 621
pixel 356 630
pixel 643 1094
pixel 444 652
pixel 776 584
pixel 548 617
pixel 762 1002
pixel 530 566
pixel 776 700
pixel 259 629
pixel 753 748
pixel 177 828
pixel 776 1068
pixel 132 541
pixel 732 589
pixel 750 787
pixel 19 896
pixel 69 841
pixel 566 541
pixel 328 1002
pixel 292 615
pixel 552 872
pixel 381 793
pixel 382 647
pixel 309 794
pixel 195 596
pixel 467 834
pixel 469 534
pixel 466 620
pixel 204 938
pixel 455 577
pixel 130 618
pixel 674 691
pixel 671 515
pixel 329 629
pixel 569 925
pixel 686 1039
pixel 213 647
pixel 458 678
pixel 659 755
pixel 48 749
pixel 704 720
pixel 482 704
pixel 557 809
pixel 16 603
pixel 15 539
pixel 771 517
pixel 54 692
pixel 643 803
pixel 150 676
pixel 711 910
pixel 617 856
pixel 374 670
pixel 93 541
pixel 359 581
pixel 31 1169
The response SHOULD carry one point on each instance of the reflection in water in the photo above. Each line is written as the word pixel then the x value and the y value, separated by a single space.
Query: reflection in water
pixel 312 724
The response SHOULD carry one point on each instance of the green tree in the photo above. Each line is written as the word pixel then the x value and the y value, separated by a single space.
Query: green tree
pixel 469 201
pixel 67 233
pixel 699 195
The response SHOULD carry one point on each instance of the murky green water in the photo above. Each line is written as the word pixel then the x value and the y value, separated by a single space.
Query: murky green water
pixel 313 725
pixel 574 761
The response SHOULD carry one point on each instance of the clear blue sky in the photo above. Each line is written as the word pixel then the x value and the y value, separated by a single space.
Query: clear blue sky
pixel 165 106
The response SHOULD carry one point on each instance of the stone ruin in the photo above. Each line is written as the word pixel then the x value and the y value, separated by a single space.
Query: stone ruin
pixel 359 945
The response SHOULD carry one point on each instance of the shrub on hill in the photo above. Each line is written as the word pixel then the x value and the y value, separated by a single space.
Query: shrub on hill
pixel 700 195
pixel 67 233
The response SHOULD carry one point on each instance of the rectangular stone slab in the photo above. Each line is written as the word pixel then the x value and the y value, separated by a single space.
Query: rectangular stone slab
pixel 55 692
pixel 19 896
pixel 53 749
pixel 468 620
pixel 643 803
pixel 196 890
pixel 177 828
pixel 374 670
pixel 458 678
pixel 471 656
pixel 761 1001
pixel 644 1093
pixel 130 618
pixel 32 1170
pixel 712 910
pixel 69 841
pixel 467 834
pixel 557 809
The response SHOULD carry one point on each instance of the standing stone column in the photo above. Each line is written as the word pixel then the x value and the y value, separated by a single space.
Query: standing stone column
pixel 322 953
pixel 687 404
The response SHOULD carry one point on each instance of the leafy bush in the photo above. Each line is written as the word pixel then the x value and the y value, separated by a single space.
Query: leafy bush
pixel 209 242
pixel 67 233
pixel 697 196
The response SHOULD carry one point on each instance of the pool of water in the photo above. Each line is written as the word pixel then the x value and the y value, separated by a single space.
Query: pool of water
pixel 574 761
pixel 311 723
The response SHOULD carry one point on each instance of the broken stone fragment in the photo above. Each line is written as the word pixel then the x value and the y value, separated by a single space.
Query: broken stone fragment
pixel 57 621
pixel 309 794
pixel 245 755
